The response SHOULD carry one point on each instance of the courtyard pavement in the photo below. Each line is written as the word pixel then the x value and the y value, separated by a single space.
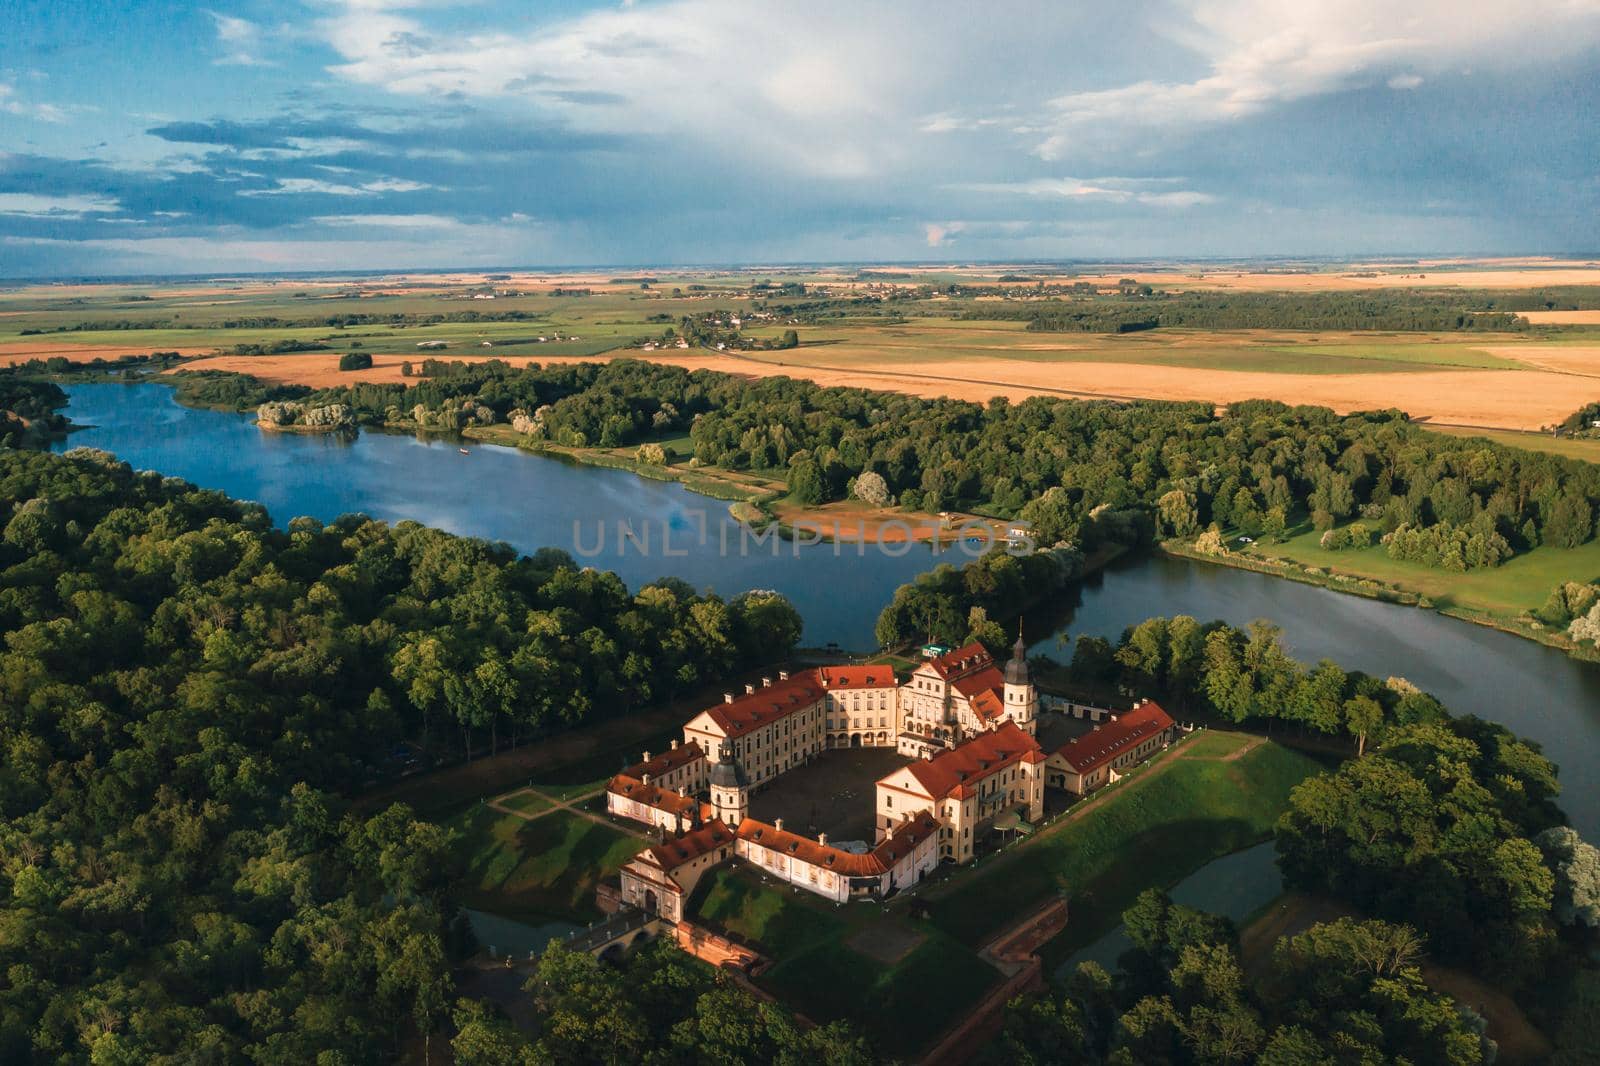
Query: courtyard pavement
pixel 834 794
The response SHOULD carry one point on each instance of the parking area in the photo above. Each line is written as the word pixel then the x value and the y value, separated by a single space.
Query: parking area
pixel 833 795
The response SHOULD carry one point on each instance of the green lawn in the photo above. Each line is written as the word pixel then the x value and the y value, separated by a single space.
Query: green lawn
pixel 1572 448
pixel 542 869
pixel 1151 831
pixel 901 1007
pixel 526 802
pixel 567 791
pixel 1210 744
pixel 1518 585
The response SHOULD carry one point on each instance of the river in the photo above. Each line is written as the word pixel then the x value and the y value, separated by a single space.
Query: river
pixel 532 502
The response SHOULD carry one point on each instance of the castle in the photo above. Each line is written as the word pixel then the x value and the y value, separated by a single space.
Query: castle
pixel 969 724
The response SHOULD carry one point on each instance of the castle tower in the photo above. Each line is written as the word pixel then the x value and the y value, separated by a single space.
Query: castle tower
pixel 1021 699
pixel 730 789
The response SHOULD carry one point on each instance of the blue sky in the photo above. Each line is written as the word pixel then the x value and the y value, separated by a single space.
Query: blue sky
pixel 159 137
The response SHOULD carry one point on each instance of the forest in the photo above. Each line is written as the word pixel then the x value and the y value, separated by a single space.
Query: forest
pixel 1442 837
pixel 1178 467
pixel 185 692
pixel 1375 309
pixel 30 411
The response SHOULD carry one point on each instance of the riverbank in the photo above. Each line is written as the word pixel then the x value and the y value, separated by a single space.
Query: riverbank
pixel 763 498
pixel 274 427
pixel 1355 583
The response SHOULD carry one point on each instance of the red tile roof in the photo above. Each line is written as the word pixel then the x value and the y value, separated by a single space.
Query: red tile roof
pixel 661 799
pixel 870 676
pixel 795 693
pixel 766 704
pixel 988 705
pixel 667 761
pixel 875 863
pixel 671 854
pixel 987 679
pixel 961 662
pixel 1093 750
pixel 959 771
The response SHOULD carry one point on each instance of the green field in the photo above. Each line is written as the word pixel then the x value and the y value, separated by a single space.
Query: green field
pixel 1516 586
pixel 1262 351
pixel 1151 831
pixel 901 1005
pixel 526 802
pixel 537 870
pixel 1586 449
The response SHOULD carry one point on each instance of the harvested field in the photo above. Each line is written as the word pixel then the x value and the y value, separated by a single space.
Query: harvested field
pixel 80 353
pixel 1500 399
pixel 1562 318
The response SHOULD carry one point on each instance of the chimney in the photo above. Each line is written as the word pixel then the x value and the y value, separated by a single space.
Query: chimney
pixel 674 745
pixel 727 697
pixel 749 689
pixel 778 824
pixel 644 778
pixel 822 838
pixel 646 757
pixel 783 675
pixel 766 682
pixel 683 791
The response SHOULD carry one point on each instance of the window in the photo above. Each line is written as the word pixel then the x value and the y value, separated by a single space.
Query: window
pixel 888 801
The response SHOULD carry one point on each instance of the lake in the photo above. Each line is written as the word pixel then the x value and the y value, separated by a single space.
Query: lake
pixel 532 502
pixel 526 500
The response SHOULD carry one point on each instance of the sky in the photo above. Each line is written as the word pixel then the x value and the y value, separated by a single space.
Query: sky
pixel 281 135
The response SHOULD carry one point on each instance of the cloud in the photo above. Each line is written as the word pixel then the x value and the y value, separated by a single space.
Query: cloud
pixel 35 205
pixel 239 41
pixel 1264 53
pixel 10 105
pixel 388 221
pixel 300 186
pixel 937 233
pixel 1152 191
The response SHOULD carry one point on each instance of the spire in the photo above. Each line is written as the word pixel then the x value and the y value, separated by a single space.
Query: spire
pixel 1017 668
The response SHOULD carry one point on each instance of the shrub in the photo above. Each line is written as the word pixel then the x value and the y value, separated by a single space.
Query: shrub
pixel 355 361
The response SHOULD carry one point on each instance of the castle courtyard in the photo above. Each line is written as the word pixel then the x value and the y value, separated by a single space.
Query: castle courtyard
pixel 832 794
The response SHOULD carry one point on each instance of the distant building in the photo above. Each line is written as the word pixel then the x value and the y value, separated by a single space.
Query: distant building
pixel 661 791
pixel 661 878
pixel 907 852
pixel 967 788
pixel 1086 763
pixel 969 722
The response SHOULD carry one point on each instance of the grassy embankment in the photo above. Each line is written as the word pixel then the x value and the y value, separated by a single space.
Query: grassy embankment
pixel 1213 794
pixel 1502 597
pixel 918 980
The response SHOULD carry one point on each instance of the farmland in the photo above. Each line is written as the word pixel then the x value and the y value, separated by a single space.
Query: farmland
pixel 916 331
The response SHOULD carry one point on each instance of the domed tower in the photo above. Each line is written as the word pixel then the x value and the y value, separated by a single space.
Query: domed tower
pixel 1022 702
pixel 730 789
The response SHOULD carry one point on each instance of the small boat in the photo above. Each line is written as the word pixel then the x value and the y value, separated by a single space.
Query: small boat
pixel 463 451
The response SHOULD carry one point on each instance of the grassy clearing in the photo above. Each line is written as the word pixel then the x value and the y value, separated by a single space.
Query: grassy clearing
pixel 526 802
pixel 1151 831
pixel 1508 590
pixel 901 1006
pixel 538 870
pixel 1568 447
pixel 566 792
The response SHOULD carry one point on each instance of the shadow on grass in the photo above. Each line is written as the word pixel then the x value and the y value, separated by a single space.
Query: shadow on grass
pixel 548 866
pixel 1156 857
